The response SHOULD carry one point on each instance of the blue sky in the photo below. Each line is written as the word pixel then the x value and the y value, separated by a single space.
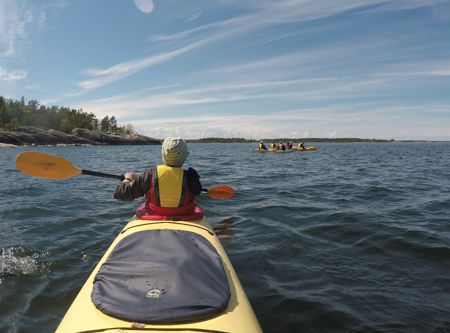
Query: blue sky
pixel 226 68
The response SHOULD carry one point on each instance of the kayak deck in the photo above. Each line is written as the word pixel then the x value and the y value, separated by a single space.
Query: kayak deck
pixel 271 150
pixel 302 149
pixel 237 317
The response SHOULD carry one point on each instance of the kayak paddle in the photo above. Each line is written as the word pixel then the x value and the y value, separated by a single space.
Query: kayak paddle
pixel 55 167
pixel 223 192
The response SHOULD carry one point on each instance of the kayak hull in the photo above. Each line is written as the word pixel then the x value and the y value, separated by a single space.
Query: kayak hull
pixel 303 149
pixel 271 151
pixel 237 317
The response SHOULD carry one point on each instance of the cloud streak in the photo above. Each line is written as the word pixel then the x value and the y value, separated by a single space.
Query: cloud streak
pixel 12 75
pixel 265 14
pixel 329 121
pixel 17 19
pixel 120 71
pixel 13 20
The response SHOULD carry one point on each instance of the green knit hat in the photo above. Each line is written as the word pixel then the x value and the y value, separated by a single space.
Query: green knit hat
pixel 174 151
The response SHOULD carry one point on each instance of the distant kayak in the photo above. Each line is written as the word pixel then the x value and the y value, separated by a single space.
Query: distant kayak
pixel 306 148
pixel 271 150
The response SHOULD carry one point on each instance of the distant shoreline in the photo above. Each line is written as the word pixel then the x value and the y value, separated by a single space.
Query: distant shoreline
pixel 304 140
pixel 7 145
pixel 28 136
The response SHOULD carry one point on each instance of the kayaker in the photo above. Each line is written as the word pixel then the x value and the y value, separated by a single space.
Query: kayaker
pixel 301 145
pixel 273 145
pixel 169 190
pixel 289 145
pixel 262 146
pixel 281 146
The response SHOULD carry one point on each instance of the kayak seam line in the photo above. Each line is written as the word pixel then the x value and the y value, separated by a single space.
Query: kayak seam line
pixel 191 225
pixel 153 329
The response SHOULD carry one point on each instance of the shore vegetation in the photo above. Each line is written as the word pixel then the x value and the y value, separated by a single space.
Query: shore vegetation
pixel 15 113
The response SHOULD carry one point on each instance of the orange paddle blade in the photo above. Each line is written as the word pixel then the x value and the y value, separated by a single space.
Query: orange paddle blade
pixel 45 165
pixel 221 192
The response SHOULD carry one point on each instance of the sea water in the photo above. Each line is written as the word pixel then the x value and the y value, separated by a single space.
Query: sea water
pixel 346 238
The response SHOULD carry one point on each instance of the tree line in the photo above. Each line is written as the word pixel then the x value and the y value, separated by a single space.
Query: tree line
pixel 15 113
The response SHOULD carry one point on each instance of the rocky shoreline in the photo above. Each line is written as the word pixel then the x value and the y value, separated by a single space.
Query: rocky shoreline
pixel 30 136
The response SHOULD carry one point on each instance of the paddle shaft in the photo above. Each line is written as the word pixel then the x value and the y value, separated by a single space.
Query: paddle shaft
pixel 101 174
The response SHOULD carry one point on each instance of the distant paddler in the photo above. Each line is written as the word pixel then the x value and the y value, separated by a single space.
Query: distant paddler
pixel 262 146
pixel 273 145
pixel 281 146
pixel 301 146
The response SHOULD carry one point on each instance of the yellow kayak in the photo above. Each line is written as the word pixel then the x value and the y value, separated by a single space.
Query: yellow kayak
pixel 306 148
pixel 130 293
pixel 270 150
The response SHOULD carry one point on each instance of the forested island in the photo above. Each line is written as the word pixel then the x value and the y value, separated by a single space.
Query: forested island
pixel 15 113
pixel 31 123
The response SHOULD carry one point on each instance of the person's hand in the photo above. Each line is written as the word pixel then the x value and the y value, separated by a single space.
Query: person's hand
pixel 129 176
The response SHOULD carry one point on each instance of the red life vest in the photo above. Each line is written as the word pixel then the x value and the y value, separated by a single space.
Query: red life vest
pixel 169 197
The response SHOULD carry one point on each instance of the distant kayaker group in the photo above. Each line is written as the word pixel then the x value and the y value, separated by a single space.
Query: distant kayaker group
pixel 280 146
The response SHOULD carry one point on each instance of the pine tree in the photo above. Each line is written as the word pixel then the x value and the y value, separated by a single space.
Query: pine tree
pixel 5 115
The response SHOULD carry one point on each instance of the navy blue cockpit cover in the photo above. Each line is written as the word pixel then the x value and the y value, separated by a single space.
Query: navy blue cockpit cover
pixel 162 276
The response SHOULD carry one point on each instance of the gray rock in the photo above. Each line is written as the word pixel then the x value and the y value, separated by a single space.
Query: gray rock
pixel 27 135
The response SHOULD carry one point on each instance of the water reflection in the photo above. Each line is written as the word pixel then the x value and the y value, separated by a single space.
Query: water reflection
pixel 224 230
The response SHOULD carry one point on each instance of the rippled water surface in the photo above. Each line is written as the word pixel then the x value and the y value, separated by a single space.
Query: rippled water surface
pixel 347 238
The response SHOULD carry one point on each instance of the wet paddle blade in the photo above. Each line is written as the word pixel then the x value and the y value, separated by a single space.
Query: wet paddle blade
pixel 221 192
pixel 45 165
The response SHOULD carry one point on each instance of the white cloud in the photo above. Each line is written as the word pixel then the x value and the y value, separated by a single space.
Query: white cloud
pixel 15 17
pixel 355 120
pixel 126 69
pixel 33 87
pixel 193 17
pixel 19 19
pixel 264 14
pixel 404 5
pixel 15 75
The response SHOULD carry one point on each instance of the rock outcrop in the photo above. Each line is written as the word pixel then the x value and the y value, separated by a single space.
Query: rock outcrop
pixel 27 135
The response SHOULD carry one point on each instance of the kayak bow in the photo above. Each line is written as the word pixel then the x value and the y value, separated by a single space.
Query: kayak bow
pixel 83 316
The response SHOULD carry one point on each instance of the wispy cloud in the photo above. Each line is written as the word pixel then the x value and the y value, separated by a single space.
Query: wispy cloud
pixel 264 14
pixel 17 19
pixel 193 17
pixel 404 5
pixel 33 87
pixel 14 17
pixel 14 75
pixel 120 71
pixel 258 87
pixel 371 119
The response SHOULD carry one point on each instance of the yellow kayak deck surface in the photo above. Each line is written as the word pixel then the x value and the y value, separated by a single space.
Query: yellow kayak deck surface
pixel 306 148
pixel 82 315
pixel 271 150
